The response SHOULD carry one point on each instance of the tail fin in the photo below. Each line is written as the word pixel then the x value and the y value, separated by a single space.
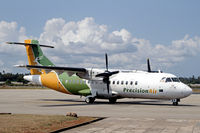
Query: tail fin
pixel 35 55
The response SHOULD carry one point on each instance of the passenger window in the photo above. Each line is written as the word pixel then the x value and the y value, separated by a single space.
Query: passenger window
pixel 136 82
pixel 126 82
pixel 122 82
pixel 168 80
pixel 131 83
pixel 113 82
pixel 117 82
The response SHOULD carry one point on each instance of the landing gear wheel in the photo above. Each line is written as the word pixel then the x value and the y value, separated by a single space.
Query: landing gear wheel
pixel 112 100
pixel 175 102
pixel 89 100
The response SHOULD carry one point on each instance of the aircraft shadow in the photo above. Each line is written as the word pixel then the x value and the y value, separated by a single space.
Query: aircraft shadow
pixel 76 102
pixel 156 103
pixel 62 100
pixel 69 102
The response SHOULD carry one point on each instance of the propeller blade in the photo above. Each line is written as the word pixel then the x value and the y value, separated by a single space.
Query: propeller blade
pixel 106 56
pixel 107 74
pixel 114 72
pixel 102 75
pixel 148 65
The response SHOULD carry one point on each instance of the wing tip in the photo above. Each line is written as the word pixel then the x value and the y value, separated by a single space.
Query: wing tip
pixel 22 65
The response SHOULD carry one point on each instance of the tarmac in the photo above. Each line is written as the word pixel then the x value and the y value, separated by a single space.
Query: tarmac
pixel 127 115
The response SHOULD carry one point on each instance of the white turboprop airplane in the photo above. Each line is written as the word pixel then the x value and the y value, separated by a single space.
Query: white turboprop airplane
pixel 98 83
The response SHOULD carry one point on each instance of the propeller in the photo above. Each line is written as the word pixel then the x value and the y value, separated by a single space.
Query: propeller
pixel 106 58
pixel 106 75
pixel 148 66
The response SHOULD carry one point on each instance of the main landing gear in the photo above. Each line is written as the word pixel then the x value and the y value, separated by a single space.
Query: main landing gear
pixel 89 100
pixel 112 100
pixel 175 101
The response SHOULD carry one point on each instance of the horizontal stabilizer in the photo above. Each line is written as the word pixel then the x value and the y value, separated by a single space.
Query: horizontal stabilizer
pixel 19 43
pixel 72 69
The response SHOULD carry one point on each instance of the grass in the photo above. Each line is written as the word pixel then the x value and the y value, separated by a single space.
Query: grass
pixel 195 90
pixel 28 123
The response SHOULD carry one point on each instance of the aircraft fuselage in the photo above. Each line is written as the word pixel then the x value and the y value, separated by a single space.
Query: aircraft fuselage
pixel 128 84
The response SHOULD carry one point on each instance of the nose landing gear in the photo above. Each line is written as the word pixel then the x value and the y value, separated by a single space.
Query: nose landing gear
pixel 175 101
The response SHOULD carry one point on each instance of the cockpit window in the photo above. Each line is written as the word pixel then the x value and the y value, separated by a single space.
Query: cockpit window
pixel 175 79
pixel 168 80
pixel 171 79
pixel 163 79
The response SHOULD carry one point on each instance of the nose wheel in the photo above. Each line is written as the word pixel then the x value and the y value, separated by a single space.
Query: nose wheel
pixel 175 101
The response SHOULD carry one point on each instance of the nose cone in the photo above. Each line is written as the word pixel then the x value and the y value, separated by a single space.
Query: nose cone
pixel 188 91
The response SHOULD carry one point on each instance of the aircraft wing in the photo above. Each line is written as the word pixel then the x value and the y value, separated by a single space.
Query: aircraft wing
pixel 81 72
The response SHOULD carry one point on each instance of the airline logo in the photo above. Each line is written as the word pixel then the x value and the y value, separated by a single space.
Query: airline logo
pixel 151 91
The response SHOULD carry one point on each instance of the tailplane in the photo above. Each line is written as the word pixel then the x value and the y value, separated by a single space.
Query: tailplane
pixel 35 55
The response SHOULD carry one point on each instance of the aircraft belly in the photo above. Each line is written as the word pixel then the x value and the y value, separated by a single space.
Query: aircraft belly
pixel 146 96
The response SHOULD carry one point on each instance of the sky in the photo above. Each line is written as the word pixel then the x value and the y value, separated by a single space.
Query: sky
pixel 130 31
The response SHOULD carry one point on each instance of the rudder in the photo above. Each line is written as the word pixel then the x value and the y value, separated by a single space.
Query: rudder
pixel 36 56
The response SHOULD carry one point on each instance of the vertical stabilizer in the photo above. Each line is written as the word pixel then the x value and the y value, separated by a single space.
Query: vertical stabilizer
pixel 36 56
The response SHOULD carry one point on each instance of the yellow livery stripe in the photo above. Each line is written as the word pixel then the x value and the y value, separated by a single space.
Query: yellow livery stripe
pixel 31 58
pixel 52 81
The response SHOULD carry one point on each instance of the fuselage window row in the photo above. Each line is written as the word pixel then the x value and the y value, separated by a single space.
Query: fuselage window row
pixel 122 82
pixel 96 82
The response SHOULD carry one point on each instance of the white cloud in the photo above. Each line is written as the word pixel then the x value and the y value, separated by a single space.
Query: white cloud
pixel 1 63
pixel 84 36
pixel 90 41
pixel 83 44
pixel 9 31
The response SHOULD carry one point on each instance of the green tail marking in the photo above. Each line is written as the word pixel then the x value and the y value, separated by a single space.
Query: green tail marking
pixel 39 56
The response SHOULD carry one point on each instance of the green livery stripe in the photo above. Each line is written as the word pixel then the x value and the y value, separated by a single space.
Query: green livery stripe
pixel 74 84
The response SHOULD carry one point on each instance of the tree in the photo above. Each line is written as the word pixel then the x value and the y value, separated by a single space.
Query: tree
pixel 8 82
